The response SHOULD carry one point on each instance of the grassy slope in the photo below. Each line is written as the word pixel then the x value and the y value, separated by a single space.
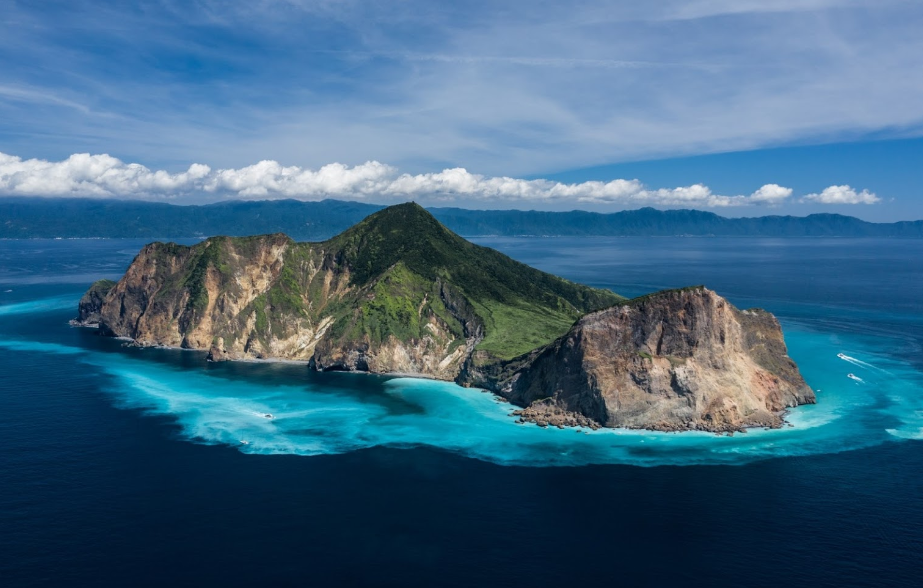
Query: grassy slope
pixel 522 308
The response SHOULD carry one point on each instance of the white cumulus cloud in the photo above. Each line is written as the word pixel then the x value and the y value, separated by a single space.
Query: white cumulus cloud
pixel 771 194
pixel 104 176
pixel 268 179
pixel 842 195
pixel 83 174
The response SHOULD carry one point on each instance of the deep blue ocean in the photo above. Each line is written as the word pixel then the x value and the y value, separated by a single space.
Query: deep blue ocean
pixel 127 467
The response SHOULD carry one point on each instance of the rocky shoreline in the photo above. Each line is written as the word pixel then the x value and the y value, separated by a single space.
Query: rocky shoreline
pixel 576 391
pixel 544 412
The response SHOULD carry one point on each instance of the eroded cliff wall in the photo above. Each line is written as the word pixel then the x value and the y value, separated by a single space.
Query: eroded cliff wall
pixel 674 360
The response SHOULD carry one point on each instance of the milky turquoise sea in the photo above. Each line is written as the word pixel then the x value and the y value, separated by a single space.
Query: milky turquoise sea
pixel 851 310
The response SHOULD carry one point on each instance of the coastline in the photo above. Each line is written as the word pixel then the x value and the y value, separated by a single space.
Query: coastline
pixel 534 414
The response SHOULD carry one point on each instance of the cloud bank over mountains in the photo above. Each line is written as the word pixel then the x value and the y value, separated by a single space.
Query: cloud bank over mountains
pixel 104 176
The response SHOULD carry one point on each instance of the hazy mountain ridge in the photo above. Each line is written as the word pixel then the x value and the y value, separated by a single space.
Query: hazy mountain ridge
pixel 314 221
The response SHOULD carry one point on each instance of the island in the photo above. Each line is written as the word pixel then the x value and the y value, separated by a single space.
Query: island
pixel 399 293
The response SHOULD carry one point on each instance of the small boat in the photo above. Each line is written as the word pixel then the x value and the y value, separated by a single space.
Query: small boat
pixel 268 415
pixel 854 377
pixel 841 355
pixel 244 442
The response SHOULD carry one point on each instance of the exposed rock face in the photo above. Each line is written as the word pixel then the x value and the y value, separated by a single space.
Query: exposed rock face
pixel 244 312
pixel 675 360
pixel 91 304
pixel 399 293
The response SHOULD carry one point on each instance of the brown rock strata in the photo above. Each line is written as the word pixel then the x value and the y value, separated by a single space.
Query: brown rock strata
pixel 672 361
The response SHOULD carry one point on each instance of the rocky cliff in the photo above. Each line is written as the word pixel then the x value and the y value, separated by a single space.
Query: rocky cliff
pixel 674 360
pixel 91 303
pixel 399 293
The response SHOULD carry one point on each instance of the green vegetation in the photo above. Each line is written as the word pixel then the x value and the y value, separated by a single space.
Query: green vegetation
pixel 662 293
pixel 100 287
pixel 521 308
pixel 163 256
pixel 261 324
pixel 512 330
pixel 392 307
pixel 208 255
pixel 285 294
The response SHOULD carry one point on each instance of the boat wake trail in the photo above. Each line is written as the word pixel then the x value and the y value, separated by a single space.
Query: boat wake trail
pixel 860 363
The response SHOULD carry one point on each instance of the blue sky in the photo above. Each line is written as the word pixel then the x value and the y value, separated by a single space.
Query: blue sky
pixel 744 107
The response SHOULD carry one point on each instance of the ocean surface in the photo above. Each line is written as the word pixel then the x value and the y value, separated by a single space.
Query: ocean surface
pixel 129 467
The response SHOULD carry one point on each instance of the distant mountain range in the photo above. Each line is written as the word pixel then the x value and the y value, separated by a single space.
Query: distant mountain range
pixel 314 221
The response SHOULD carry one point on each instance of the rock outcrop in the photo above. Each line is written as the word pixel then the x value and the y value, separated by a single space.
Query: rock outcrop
pixel 399 293
pixel 675 360
pixel 91 303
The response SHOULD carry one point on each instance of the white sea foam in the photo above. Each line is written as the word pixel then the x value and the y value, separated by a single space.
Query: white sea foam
pixel 311 418
pixel 467 421
pixel 907 434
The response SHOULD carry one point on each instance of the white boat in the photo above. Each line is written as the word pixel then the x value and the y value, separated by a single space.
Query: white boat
pixel 244 442
pixel 854 377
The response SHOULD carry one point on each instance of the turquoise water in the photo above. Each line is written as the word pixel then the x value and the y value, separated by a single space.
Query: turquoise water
pixel 868 392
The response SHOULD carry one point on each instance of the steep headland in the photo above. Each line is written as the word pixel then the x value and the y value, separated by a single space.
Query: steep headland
pixel 400 293
pixel 91 303
pixel 672 360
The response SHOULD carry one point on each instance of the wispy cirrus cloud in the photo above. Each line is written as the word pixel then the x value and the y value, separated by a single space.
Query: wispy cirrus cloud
pixel 103 176
pixel 38 96
pixel 505 88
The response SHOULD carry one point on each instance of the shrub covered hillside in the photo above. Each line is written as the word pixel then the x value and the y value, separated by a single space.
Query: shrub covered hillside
pixel 408 258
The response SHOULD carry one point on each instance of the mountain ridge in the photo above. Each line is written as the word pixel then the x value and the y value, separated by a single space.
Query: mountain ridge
pixel 89 218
